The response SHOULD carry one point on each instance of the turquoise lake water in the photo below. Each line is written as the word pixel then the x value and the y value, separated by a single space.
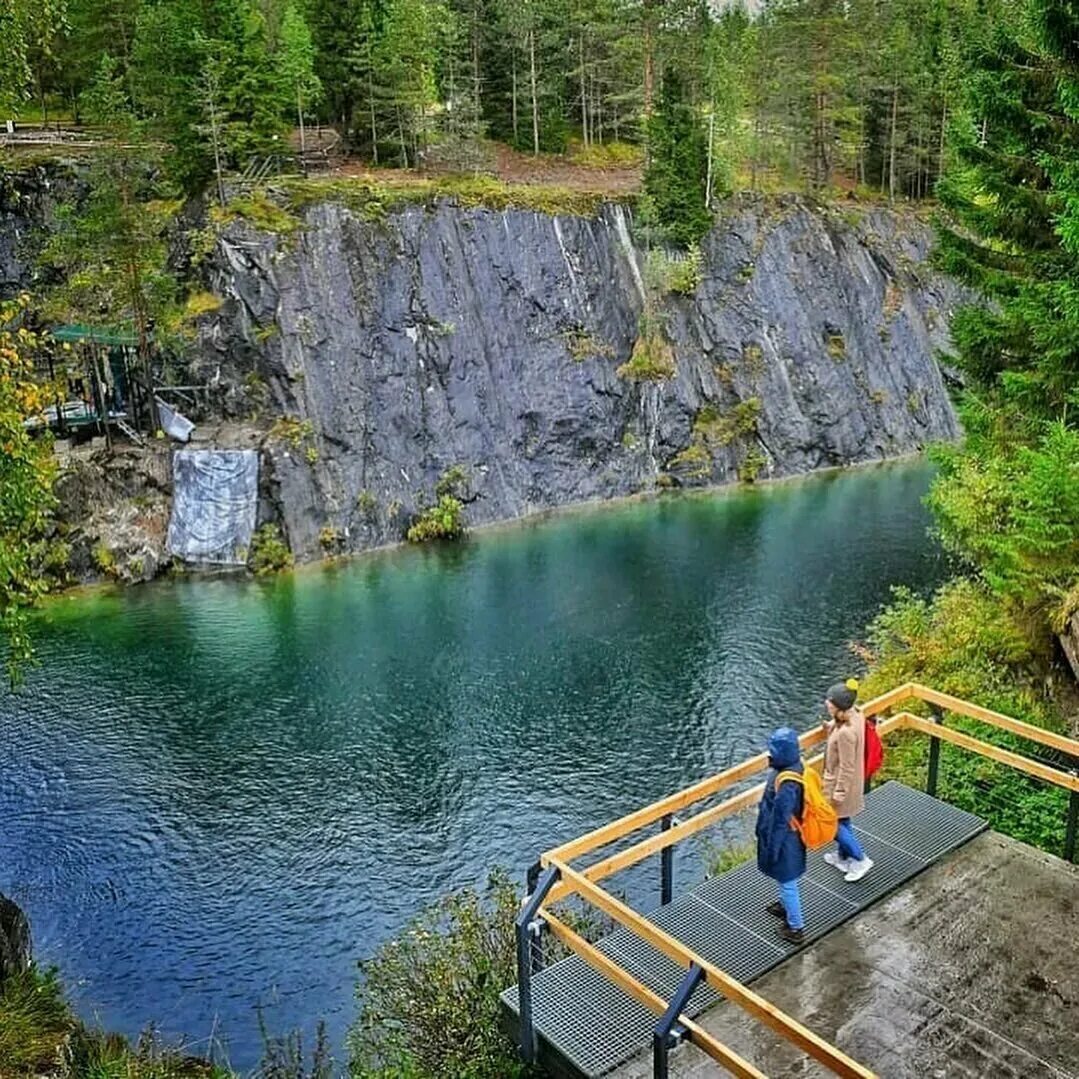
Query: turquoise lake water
pixel 220 794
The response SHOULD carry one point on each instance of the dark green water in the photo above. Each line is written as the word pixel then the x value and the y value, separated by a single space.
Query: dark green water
pixel 222 793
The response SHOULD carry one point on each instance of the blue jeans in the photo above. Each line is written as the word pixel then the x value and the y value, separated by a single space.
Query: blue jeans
pixel 849 847
pixel 792 903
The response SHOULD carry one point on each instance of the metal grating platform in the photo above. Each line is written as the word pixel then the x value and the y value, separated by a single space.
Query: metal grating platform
pixel 587 1026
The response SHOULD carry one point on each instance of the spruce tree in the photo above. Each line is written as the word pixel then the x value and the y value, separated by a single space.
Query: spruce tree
pixel 1008 498
pixel 677 164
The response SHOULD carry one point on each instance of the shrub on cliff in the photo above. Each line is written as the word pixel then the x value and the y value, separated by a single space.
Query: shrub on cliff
pixel 429 1005
pixel 269 553
pixel 440 521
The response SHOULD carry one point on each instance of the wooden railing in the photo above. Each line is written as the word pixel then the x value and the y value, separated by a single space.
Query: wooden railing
pixel 559 879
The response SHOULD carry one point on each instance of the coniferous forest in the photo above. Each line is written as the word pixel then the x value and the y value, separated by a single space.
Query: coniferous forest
pixel 807 93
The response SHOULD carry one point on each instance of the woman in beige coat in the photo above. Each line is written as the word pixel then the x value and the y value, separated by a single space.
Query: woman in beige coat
pixel 844 776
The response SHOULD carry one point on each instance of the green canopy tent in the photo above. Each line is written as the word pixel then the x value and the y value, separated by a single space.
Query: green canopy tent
pixel 112 392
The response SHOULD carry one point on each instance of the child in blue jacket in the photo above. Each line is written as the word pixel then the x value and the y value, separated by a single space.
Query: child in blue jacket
pixel 781 854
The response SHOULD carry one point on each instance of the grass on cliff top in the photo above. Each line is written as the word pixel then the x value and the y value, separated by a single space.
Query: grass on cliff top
pixel 40 1035
pixel 373 199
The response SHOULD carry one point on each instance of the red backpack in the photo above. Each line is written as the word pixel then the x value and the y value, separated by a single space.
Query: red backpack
pixel 874 749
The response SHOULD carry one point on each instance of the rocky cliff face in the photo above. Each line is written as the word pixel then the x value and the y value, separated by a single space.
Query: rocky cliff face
pixel 489 342
pixel 28 199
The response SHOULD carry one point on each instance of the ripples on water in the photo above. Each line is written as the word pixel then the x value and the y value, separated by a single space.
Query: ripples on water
pixel 223 793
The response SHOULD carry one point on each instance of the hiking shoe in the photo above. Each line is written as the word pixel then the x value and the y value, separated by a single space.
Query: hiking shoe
pixel 858 870
pixel 777 910
pixel 795 936
pixel 842 864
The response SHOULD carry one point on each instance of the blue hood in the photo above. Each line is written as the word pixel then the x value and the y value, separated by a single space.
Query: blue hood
pixel 783 749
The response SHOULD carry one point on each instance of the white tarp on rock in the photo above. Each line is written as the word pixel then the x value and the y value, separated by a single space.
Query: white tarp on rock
pixel 214 505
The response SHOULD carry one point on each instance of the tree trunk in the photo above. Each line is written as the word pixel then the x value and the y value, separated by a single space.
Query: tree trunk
pixel 403 140
pixel 215 138
pixel 513 104
pixel 374 128
pixel 649 58
pixel 943 129
pixel 711 150
pixel 584 92
pixel 299 112
pixel 475 65
pixel 891 149
pixel 535 96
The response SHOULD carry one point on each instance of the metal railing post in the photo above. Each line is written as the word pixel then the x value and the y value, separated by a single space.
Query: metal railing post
pixel 666 865
pixel 527 927
pixel 934 757
pixel 661 1037
pixel 1073 824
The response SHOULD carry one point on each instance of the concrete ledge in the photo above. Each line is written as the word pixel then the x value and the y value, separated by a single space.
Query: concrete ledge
pixel 970 970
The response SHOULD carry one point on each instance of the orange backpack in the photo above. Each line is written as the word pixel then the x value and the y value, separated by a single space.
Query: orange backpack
pixel 819 819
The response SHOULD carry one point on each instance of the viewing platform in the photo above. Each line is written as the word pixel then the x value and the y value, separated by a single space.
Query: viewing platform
pixel 966 969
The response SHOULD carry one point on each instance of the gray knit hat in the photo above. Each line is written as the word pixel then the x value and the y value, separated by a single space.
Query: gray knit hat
pixel 844 694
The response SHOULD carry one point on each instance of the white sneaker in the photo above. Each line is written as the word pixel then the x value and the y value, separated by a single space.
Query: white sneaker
pixel 842 864
pixel 858 870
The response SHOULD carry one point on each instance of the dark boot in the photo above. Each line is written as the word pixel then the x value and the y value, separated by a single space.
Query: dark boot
pixel 795 936
pixel 776 910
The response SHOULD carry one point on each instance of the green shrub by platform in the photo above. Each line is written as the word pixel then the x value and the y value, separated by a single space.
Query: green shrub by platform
pixel 429 1005
pixel 963 641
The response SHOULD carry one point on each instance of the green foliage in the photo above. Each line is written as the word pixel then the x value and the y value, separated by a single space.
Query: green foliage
pixel 719 859
pixel 104 559
pixel 27 473
pixel 28 33
pixel 582 345
pixel 373 199
pixel 292 431
pixel 39 1035
pixel 269 552
pixel 694 462
pixel 260 211
pixel 285 1058
pixel 441 521
pixel 962 641
pixel 837 347
pixel 714 430
pixel 429 1006
pixel 652 359
pixel 1007 499
pixel 452 482
pixel 367 504
pixel 721 429
pixel 752 464
pixel 1011 509
pixel 35 1022
pixel 680 275
pixel 109 251
pixel 329 538
pixel 677 166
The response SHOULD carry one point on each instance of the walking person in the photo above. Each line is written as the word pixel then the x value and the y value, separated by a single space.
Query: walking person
pixel 781 853
pixel 844 776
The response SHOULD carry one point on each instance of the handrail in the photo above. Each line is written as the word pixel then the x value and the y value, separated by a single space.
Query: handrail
pixel 583 881
pixel 705 788
pixel 1068 781
pixel 995 719
pixel 838 1062
pixel 624 980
